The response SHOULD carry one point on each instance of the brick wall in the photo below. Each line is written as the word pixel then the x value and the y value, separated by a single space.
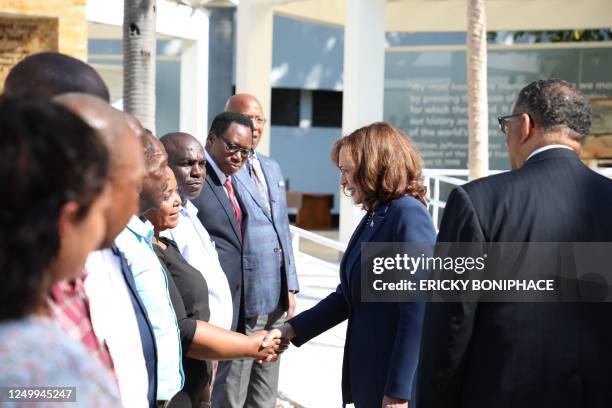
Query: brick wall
pixel 72 25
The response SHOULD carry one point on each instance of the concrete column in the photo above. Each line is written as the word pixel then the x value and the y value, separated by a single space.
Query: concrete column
pixel 194 88
pixel 254 55
pixel 364 62
pixel 221 52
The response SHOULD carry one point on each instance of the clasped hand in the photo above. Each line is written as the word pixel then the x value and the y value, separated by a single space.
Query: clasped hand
pixel 272 343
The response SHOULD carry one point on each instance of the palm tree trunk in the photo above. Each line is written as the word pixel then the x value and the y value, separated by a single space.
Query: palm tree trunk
pixel 139 55
pixel 478 111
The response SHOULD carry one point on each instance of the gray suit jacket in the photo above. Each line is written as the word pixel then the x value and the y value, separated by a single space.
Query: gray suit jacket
pixel 268 262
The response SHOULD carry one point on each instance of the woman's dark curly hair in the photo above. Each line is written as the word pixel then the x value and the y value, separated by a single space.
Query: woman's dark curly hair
pixel 387 165
pixel 48 157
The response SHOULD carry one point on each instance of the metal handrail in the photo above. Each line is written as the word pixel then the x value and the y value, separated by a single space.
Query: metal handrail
pixel 437 203
pixel 319 261
pixel 438 176
pixel 450 180
pixel 448 176
pixel 297 232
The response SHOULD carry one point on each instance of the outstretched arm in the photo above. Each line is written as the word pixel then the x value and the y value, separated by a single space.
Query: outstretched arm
pixel 212 342
pixel 325 315
pixel 322 317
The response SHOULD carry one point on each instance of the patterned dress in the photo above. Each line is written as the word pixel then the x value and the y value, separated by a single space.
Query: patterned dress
pixel 35 352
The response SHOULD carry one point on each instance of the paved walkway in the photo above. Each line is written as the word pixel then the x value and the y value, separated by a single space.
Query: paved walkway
pixel 310 375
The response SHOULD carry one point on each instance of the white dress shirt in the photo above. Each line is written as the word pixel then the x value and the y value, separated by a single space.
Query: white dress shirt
pixel 548 147
pixel 222 176
pixel 198 249
pixel 114 321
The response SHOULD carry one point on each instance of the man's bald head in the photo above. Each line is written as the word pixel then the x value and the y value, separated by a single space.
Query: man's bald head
pixel 239 102
pixel 249 106
pixel 106 120
pixel 48 74
pixel 153 146
pixel 187 161
pixel 135 125
pixel 176 143
pixel 127 160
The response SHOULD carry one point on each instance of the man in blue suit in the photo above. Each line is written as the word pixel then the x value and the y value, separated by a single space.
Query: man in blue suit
pixel 269 277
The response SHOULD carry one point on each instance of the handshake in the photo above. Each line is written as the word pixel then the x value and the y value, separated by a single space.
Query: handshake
pixel 271 344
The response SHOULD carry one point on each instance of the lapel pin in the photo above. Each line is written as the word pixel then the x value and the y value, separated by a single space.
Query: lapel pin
pixel 370 220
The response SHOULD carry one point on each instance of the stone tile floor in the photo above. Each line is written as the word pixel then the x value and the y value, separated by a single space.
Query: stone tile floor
pixel 310 375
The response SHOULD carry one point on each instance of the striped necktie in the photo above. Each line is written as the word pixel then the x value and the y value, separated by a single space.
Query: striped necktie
pixel 237 212
pixel 255 176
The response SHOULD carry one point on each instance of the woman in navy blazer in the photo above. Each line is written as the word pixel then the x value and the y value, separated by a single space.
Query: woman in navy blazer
pixel 381 171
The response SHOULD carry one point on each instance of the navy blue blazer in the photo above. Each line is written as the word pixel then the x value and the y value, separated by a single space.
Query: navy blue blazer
pixel 147 337
pixel 382 339
pixel 268 264
pixel 519 354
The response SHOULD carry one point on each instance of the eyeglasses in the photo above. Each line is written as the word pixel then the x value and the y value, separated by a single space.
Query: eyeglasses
pixel 234 148
pixel 503 121
pixel 257 120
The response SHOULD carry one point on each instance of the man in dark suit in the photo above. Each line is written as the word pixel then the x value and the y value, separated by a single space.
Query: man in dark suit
pixel 228 145
pixel 268 273
pixel 524 354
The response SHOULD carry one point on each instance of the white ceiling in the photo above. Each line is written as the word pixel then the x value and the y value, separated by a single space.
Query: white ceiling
pixel 451 15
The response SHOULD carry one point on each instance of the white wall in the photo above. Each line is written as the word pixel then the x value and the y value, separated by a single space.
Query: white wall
pixel 174 21
pixel 307 55
pixel 303 155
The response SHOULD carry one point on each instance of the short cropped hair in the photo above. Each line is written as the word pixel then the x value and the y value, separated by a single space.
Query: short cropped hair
pixel 48 74
pixel 387 165
pixel 224 120
pixel 557 106
pixel 48 156
pixel 150 147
